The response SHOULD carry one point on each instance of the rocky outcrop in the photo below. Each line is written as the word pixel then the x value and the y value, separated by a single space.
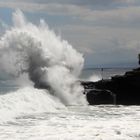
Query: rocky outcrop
pixel 125 89
pixel 96 97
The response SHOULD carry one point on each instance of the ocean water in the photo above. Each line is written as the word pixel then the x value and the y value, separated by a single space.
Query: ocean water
pixel 76 123
pixel 34 56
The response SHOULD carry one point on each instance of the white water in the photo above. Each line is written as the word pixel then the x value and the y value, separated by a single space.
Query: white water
pixel 94 78
pixel 25 101
pixel 76 123
pixel 34 55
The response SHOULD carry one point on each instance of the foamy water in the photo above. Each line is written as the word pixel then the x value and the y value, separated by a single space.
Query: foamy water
pixel 26 101
pixel 47 61
pixel 76 123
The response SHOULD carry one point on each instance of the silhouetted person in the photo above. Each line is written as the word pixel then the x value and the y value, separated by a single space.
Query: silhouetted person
pixel 139 58
pixel 102 72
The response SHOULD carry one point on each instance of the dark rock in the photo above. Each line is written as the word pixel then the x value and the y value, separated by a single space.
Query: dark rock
pixel 96 97
pixel 126 88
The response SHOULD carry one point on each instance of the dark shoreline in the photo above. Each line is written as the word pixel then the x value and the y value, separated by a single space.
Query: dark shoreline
pixel 120 89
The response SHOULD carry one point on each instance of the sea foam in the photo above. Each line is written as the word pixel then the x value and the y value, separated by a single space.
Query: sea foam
pixel 49 62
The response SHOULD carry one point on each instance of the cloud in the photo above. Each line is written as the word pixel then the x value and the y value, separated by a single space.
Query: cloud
pixel 103 44
pixel 116 16
pixel 126 14
pixel 50 8
pixel 99 3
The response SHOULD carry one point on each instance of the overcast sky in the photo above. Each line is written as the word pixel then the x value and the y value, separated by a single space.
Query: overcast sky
pixel 107 32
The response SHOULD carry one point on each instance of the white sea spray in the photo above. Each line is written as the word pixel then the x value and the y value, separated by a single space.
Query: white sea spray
pixel 35 54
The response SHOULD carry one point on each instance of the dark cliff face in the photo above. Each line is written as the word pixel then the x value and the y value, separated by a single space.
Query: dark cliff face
pixel 125 89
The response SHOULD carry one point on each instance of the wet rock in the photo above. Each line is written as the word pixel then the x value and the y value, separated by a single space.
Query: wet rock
pixel 126 89
pixel 96 97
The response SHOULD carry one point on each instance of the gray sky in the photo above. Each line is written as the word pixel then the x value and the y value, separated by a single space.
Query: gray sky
pixel 107 32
